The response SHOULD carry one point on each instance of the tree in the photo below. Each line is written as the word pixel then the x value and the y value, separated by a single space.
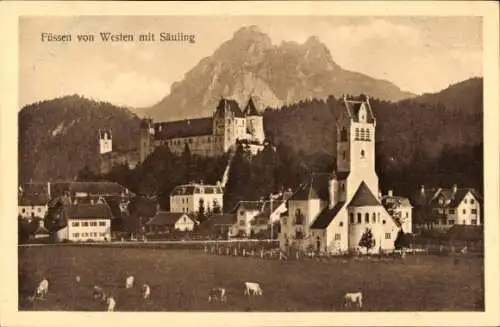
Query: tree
pixel 86 174
pixel 402 240
pixel 201 211
pixel 216 207
pixel 367 241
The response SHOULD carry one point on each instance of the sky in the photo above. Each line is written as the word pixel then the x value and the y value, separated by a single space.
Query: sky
pixel 418 54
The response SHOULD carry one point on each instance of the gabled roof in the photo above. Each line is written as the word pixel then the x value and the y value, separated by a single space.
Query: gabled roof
pixel 250 109
pixel 353 106
pixel 195 188
pixel 91 188
pixel 396 201
pixel 452 200
pixel 165 218
pixel 327 216
pixel 89 211
pixel 248 205
pixel 364 197
pixel 229 105
pixel 183 128
pixel 33 200
pixel 460 195
pixel 316 187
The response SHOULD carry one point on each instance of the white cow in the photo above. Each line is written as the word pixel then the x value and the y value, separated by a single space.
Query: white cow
pixel 252 288
pixel 111 303
pixel 217 293
pixel 353 298
pixel 129 282
pixel 77 279
pixel 463 250
pixel 146 291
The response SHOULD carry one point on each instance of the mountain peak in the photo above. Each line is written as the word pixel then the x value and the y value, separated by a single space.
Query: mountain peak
pixel 313 40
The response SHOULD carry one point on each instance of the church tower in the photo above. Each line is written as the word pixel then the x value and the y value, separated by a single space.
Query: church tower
pixel 356 145
pixel 105 141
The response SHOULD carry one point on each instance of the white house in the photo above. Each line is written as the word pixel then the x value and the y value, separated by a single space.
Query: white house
pixel 330 212
pixel 33 201
pixel 400 209
pixel 187 198
pixel 245 212
pixel 165 221
pixel 454 206
pixel 87 222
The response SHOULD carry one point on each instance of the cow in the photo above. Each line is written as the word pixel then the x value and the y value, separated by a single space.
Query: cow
pixel 111 303
pixel 353 298
pixel 252 288
pixel 41 290
pixel 129 282
pixel 98 293
pixel 77 279
pixel 146 291
pixel 463 251
pixel 217 294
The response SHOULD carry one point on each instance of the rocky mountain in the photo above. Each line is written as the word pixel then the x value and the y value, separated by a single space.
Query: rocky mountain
pixel 273 74
pixel 57 138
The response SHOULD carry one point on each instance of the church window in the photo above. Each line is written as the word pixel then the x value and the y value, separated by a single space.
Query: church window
pixel 356 135
pixel 351 218
pixel 367 134
pixel 374 218
pixel 362 153
pixel 341 224
pixel 367 218
pixel 337 237
pixel 343 135
pixel 387 236
pixel 383 221
pixel 362 134
pixel 359 218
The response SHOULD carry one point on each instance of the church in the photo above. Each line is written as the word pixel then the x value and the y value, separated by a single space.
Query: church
pixel 330 212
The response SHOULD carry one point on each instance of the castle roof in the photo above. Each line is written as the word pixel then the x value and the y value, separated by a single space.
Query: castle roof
pixel 89 211
pixel 103 132
pixel 230 105
pixel 250 109
pixel 183 128
pixel 353 107
pixel 316 187
pixel 327 216
pixel 364 197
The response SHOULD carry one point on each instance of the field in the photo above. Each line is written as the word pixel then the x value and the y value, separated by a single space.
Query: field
pixel 180 280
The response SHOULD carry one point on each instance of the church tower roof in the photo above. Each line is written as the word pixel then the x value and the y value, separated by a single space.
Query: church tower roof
pixel 250 109
pixel 354 106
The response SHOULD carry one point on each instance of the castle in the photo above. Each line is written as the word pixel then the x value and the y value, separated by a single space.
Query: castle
pixel 331 212
pixel 207 137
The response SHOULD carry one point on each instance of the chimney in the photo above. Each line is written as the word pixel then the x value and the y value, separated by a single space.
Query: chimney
pixel 454 188
pixel 389 193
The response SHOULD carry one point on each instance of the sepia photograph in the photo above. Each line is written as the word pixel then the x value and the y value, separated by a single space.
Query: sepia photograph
pixel 251 163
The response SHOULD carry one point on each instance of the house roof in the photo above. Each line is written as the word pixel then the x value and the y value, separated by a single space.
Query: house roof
pixel 397 201
pixel 89 211
pixel 92 188
pixel 452 200
pixel 327 216
pixel 364 197
pixel 250 109
pixel 194 188
pixel 183 128
pixel 460 195
pixel 248 205
pixel 228 105
pixel 165 218
pixel 316 187
pixel 353 107
pixel 33 200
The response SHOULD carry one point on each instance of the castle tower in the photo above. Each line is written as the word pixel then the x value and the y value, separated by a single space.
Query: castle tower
pixel 254 122
pixel 228 124
pixel 356 145
pixel 105 141
pixel 146 144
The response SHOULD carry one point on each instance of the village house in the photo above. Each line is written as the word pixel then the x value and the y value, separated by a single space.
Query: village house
pixel 331 212
pixel 220 225
pixel 189 197
pixel 453 206
pixel 87 222
pixel 209 136
pixel 244 212
pixel 400 209
pixel 33 200
pixel 167 222
pixel 77 190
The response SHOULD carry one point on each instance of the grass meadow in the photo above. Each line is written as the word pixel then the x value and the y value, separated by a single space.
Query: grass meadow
pixel 180 280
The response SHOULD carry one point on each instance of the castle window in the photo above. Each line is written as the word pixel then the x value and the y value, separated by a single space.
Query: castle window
pixel 387 236
pixel 351 218
pixel 342 187
pixel 374 218
pixel 343 155
pixel 359 218
pixel 367 218
pixel 356 135
pixel 362 153
pixel 472 201
pixel 473 211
